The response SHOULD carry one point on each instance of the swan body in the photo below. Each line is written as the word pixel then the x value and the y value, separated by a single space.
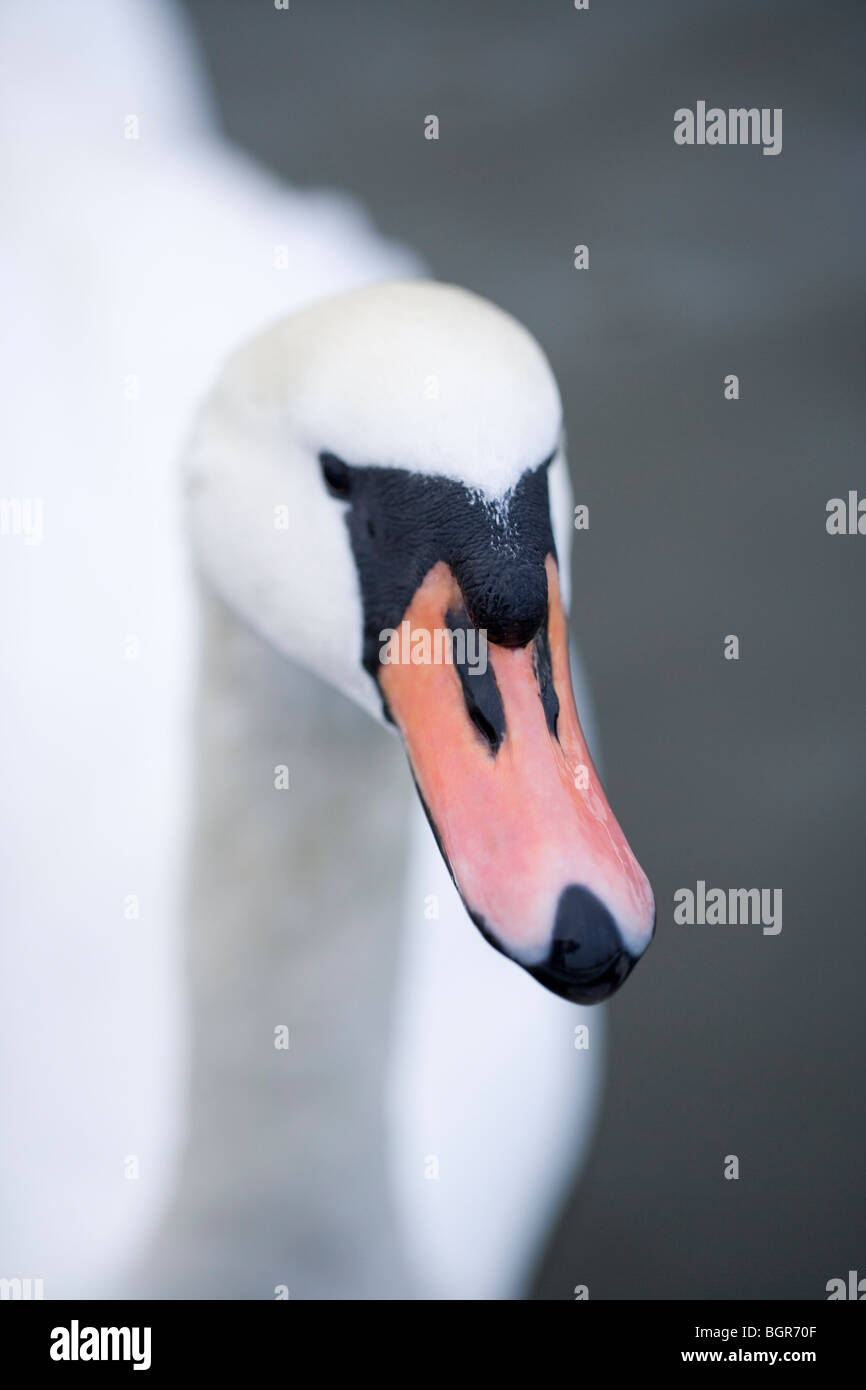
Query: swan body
pixel 131 269
pixel 331 912
pixel 487 1099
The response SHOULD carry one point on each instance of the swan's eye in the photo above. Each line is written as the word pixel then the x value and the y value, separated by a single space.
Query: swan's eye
pixel 337 475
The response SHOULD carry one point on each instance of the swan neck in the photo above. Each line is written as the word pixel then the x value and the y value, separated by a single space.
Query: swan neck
pixel 292 912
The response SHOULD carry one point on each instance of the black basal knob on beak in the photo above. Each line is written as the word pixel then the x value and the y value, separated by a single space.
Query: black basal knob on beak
pixel 507 599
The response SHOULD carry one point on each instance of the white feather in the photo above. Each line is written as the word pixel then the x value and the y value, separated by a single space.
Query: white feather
pixel 131 269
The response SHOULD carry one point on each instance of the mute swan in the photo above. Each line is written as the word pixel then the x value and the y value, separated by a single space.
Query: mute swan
pixel 448 509
pixel 392 1148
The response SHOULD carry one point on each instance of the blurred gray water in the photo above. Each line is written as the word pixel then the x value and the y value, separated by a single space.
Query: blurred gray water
pixel 707 518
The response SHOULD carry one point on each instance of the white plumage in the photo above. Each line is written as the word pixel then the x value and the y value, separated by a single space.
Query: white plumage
pixel 132 268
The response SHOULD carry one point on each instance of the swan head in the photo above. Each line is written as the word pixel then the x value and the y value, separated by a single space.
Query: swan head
pixel 378 485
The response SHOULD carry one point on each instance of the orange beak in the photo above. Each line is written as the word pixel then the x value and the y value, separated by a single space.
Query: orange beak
pixel 502 768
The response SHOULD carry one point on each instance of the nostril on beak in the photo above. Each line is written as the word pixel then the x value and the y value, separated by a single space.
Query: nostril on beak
pixel 588 960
